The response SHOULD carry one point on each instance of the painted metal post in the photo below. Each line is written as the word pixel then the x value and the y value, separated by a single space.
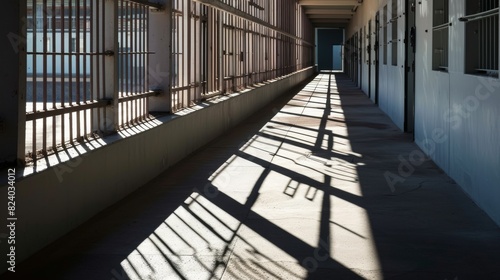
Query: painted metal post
pixel 160 66
pixel 105 40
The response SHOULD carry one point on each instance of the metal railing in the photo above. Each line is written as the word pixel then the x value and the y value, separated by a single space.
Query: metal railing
pixel 63 96
pixel 89 67
pixel 440 37
pixel 482 37
pixel 226 46
pixel 71 70
pixel 394 27
pixel 133 62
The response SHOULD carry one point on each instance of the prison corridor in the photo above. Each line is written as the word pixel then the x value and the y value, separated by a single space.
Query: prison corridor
pixel 317 185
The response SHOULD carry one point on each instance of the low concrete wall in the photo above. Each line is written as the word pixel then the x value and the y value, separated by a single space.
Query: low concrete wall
pixel 52 202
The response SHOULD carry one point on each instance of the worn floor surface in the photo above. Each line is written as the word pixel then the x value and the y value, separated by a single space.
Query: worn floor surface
pixel 298 191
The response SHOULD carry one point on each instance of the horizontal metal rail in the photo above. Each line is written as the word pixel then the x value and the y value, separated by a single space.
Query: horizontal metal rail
pixel 393 19
pixel 108 53
pixel 65 110
pixel 252 3
pixel 441 26
pixel 488 70
pixel 139 96
pixel 157 5
pixel 481 15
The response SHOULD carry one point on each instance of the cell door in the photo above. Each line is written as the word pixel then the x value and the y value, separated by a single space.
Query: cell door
pixel 410 67
pixel 337 57
pixel 369 52
pixel 376 49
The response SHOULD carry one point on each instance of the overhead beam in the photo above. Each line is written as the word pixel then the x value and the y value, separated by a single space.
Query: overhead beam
pixel 336 25
pixel 330 2
pixel 311 17
pixel 328 11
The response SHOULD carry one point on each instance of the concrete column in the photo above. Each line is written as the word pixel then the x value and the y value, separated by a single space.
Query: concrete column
pixel 111 61
pixel 13 82
pixel 160 67
pixel 107 16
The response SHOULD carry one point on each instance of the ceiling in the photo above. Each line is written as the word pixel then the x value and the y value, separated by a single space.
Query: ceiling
pixel 330 13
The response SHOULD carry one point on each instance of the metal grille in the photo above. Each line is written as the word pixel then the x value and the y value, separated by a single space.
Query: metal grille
pixel 133 63
pixel 217 52
pixel 188 19
pixel 482 37
pixel 63 96
pixel 384 20
pixel 440 33
pixel 88 61
pixel 394 26
pixel 72 70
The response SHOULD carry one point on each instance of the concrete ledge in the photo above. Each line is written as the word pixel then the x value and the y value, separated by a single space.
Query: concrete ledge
pixel 52 202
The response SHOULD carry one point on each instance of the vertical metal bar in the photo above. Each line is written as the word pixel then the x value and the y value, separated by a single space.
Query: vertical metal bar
pixel 220 70
pixel 63 69
pixel 44 62
pixel 495 48
pixel 125 50
pixel 194 42
pixel 34 78
pixel 98 82
pixel 85 59
pixel 488 38
pixel 54 78
pixel 78 74
pixel 71 56
pixel 70 35
pixel 91 58
pixel 144 13
pixel 146 60
pixel 128 70
pixel 121 49
pixel 141 61
pixel 142 111
pixel 136 61
pixel 183 50
pixel 482 39
pixel 175 43
pixel 146 36
pixel 131 37
pixel 126 55
pixel 188 50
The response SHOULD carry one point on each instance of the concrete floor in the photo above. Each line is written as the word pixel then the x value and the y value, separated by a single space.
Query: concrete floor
pixel 298 191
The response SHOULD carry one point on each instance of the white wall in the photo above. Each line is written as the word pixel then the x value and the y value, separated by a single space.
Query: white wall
pixel 457 115
pixel 391 78
pixel 63 196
